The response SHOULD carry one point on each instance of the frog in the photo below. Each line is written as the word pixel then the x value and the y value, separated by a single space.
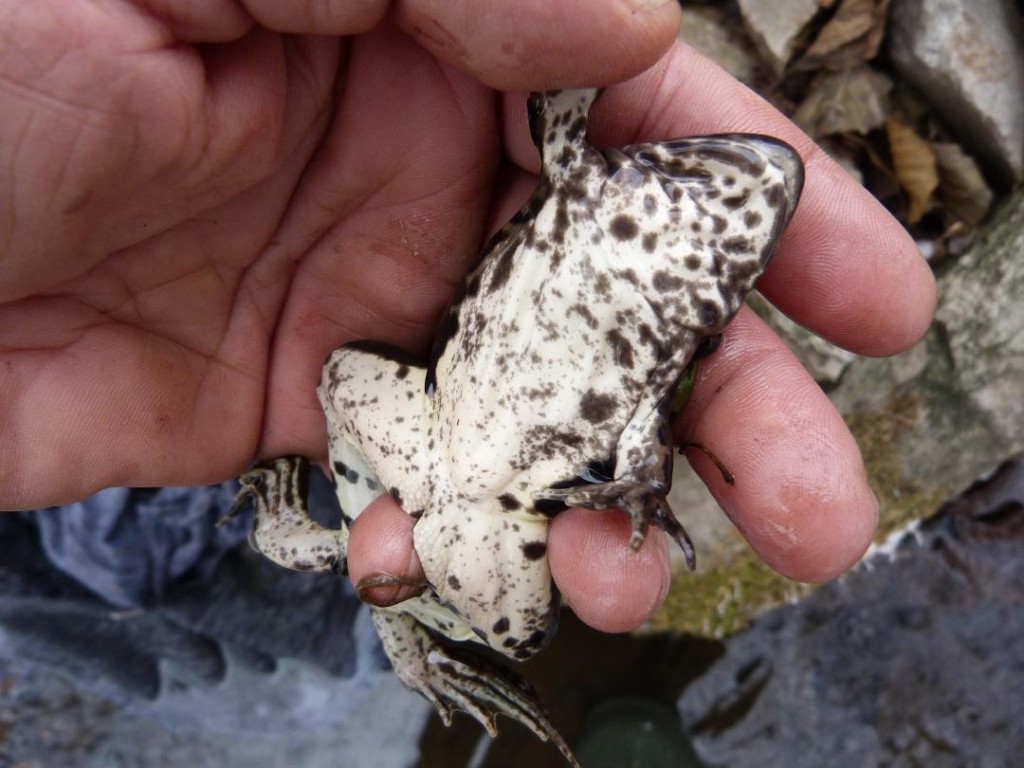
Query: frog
pixel 550 384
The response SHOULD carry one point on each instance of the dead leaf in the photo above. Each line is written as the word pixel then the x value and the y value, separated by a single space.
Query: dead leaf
pixel 964 195
pixel 852 36
pixel 842 102
pixel 914 163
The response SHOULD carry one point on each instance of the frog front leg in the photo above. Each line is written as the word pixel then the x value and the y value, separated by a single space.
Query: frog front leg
pixel 644 458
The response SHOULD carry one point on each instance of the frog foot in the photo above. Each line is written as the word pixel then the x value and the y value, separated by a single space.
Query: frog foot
pixel 454 679
pixel 282 529
pixel 645 503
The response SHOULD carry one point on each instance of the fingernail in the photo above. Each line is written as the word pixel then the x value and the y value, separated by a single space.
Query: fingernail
pixel 384 590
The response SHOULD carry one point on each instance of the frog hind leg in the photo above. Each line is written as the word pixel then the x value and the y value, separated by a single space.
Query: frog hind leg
pixel 373 397
pixel 455 679
pixel 282 529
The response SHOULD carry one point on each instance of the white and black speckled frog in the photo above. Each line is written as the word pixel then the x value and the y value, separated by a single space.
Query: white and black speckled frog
pixel 549 386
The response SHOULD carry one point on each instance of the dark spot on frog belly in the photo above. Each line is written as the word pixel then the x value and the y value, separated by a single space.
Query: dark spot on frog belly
pixel 509 502
pixel 567 157
pixel 501 626
pixel 534 550
pixel 737 245
pixel 342 470
pixel 736 201
pixel 595 407
pixel 744 164
pixel 454 582
pixel 775 195
pixel 502 268
pixel 624 227
pixel 622 348
pixel 709 314
pixel 665 281
pixel 561 225
pixel 548 507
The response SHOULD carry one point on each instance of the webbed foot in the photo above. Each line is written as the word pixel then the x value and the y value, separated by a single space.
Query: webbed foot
pixel 454 679
pixel 282 528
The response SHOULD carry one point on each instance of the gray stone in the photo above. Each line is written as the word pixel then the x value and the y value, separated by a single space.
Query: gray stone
pixel 967 58
pixel 776 27
pixel 720 38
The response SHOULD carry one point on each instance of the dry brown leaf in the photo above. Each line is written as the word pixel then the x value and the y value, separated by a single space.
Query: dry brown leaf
pixel 852 36
pixel 964 195
pixel 842 102
pixel 914 163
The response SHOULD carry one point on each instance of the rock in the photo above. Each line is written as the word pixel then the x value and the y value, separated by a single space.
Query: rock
pixel 721 39
pixel 776 27
pixel 912 659
pixel 967 58
pixel 951 409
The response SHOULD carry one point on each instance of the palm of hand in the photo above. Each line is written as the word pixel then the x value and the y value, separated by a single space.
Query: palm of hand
pixel 188 182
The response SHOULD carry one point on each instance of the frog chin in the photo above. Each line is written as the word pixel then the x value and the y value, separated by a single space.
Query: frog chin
pixel 495 576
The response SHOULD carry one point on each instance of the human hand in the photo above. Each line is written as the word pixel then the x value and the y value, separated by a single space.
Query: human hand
pixel 191 228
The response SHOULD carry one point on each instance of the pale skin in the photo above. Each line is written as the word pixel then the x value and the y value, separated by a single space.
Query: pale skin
pixel 197 205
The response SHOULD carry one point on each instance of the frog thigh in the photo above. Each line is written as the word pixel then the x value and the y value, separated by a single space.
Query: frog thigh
pixel 355 484
pixel 372 395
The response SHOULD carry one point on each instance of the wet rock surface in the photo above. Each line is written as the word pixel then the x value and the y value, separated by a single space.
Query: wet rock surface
pixel 912 659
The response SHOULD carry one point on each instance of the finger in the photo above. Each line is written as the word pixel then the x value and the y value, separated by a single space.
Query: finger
pixel 540 44
pixel 335 17
pixel 846 269
pixel 200 21
pixel 214 21
pixel 380 544
pixel 609 586
pixel 801 496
